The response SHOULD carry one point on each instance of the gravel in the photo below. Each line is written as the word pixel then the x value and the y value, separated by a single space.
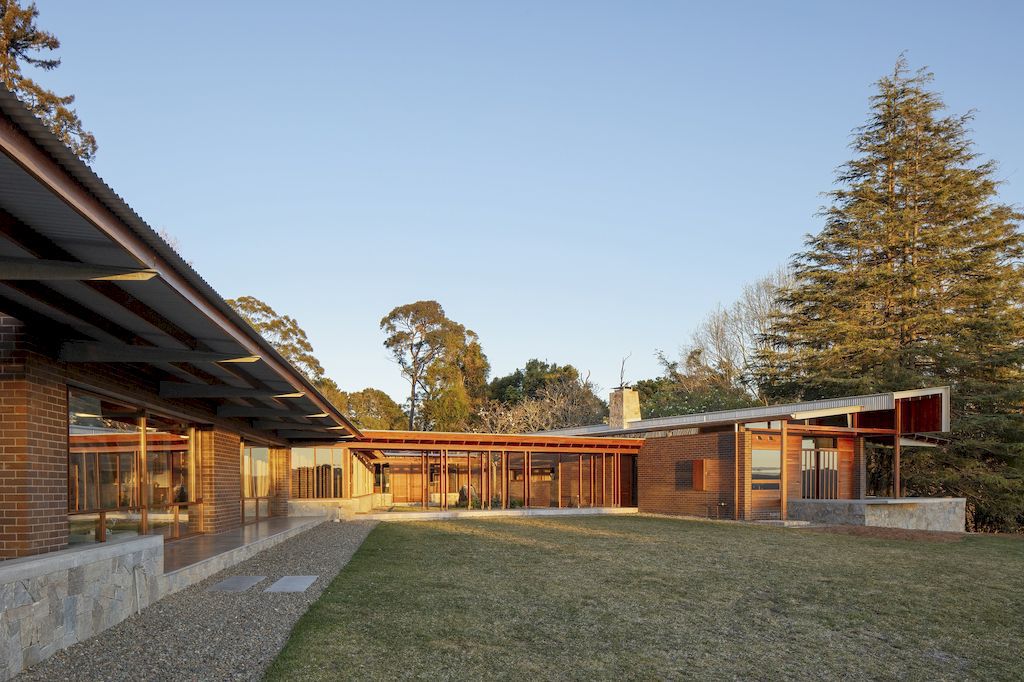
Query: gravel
pixel 199 635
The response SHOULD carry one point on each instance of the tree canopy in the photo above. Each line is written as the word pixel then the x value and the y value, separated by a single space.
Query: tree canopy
pixel 443 362
pixel 527 381
pixel 22 43
pixel 916 280
pixel 283 332
pixel 370 408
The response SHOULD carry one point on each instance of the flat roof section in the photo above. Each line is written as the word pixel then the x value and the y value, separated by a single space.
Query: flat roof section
pixel 803 410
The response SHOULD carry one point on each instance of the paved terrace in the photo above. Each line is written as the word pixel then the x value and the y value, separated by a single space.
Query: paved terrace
pixel 202 633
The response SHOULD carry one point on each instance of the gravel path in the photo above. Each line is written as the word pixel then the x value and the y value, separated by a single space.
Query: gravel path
pixel 200 635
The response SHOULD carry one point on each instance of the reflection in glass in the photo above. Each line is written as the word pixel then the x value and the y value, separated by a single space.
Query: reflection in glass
pixel 765 469
pixel 103 447
pixel 516 480
pixel 171 478
pixel 543 480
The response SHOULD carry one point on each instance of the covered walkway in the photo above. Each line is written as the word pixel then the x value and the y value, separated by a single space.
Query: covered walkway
pixel 486 471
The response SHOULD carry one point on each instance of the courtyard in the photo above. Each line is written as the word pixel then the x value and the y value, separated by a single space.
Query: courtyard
pixel 644 597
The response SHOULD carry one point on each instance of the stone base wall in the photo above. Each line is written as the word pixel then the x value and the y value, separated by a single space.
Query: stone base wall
pixel 333 507
pixel 52 601
pixel 946 514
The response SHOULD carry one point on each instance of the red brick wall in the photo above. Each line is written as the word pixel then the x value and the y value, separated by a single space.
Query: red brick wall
pixel 664 475
pixel 280 480
pixel 222 480
pixel 33 447
pixel 33 440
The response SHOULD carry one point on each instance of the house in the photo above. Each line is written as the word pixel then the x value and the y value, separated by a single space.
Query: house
pixel 799 461
pixel 140 414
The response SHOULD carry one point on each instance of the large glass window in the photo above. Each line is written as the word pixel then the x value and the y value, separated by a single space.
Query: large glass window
pixel 544 480
pixel 317 473
pixel 104 447
pixel 129 471
pixel 171 478
pixel 255 474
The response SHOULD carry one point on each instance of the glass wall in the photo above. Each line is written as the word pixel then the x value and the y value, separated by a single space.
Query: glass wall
pixel 317 473
pixel 255 472
pixel 543 480
pixel 516 479
pixel 495 473
pixel 171 478
pixel 129 472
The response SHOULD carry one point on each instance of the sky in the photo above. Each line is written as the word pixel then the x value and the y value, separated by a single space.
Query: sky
pixel 574 181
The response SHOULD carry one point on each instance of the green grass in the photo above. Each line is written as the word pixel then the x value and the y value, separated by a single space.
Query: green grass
pixel 643 598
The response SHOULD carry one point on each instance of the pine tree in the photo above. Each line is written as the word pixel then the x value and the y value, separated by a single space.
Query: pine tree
pixel 20 40
pixel 916 280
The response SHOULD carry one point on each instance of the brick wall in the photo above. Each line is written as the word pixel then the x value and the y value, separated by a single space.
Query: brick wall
pixel 222 480
pixel 280 480
pixel 33 447
pixel 664 475
pixel 34 450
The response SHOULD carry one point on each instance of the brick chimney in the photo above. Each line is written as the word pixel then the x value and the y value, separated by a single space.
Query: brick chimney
pixel 623 407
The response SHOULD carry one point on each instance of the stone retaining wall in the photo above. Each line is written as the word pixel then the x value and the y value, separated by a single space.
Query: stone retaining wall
pixel 946 514
pixel 52 601
pixel 331 507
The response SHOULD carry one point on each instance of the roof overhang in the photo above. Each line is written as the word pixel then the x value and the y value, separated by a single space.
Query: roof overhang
pixel 433 441
pixel 108 289
pixel 811 409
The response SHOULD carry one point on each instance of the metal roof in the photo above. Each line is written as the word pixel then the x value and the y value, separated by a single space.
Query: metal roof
pixel 866 403
pixel 177 309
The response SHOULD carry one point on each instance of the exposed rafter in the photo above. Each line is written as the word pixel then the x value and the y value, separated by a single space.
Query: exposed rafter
pixel 58 270
pixel 268 425
pixel 174 389
pixel 291 434
pixel 90 351
pixel 247 411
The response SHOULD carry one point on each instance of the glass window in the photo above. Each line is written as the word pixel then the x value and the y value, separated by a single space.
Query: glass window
pixel 171 477
pixel 135 472
pixel 765 469
pixel 255 472
pixel 104 443
pixel 317 473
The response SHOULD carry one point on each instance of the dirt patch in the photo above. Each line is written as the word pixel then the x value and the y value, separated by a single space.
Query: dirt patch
pixel 891 533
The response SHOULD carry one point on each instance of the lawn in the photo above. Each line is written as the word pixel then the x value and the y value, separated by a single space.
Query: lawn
pixel 642 598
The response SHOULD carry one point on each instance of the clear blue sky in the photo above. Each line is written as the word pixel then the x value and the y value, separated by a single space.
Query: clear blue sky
pixel 572 180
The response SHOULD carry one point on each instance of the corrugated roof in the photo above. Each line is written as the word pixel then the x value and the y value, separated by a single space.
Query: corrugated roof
pixel 866 403
pixel 30 126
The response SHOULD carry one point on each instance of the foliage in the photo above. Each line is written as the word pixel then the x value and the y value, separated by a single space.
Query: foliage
pixel 527 382
pixel 20 42
pixel 443 362
pixel 370 408
pixel 688 387
pixel 283 332
pixel 562 401
pixel 717 369
pixel 916 280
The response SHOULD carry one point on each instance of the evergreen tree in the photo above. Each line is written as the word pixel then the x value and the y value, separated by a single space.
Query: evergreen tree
pixel 915 280
pixel 20 41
